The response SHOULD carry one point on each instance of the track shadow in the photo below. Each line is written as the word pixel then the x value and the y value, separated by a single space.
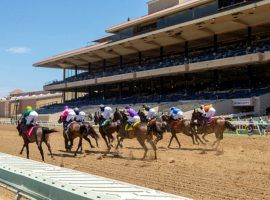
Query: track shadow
pixel 63 155
pixel 196 149
pixel 114 155
pixel 134 148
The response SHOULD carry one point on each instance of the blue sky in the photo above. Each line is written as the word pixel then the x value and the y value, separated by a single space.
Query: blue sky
pixel 32 30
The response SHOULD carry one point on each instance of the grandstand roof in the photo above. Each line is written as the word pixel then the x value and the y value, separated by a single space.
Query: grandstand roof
pixel 256 14
pixel 183 6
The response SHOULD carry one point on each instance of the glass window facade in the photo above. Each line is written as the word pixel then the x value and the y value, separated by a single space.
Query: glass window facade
pixel 180 17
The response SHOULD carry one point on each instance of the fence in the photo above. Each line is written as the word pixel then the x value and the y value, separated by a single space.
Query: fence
pixel 242 127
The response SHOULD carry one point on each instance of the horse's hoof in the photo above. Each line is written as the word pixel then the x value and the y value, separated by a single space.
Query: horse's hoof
pixel 92 147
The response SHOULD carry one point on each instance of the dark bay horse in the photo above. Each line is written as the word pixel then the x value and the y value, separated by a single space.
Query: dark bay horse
pixel 179 126
pixel 107 130
pixel 81 131
pixel 139 132
pixel 216 125
pixel 39 135
pixel 155 126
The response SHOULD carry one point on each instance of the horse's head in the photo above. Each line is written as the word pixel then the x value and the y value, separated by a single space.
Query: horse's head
pixel 165 118
pixel 197 115
pixel 92 132
pixel 19 127
pixel 117 115
pixel 96 118
pixel 142 116
pixel 60 120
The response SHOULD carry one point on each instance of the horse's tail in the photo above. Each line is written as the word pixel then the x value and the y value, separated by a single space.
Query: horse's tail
pixel 48 131
pixel 230 126
pixel 85 129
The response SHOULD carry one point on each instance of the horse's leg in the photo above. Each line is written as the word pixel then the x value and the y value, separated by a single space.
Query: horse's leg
pixel 97 142
pixel 79 146
pixel 71 144
pixel 89 141
pixel 47 142
pixel 66 141
pixel 27 149
pixel 203 137
pixel 21 152
pixel 170 141
pixel 142 143
pixel 219 137
pixel 153 146
pixel 41 150
pixel 159 137
pixel 120 141
pixel 198 138
pixel 175 136
pixel 105 139
pixel 110 140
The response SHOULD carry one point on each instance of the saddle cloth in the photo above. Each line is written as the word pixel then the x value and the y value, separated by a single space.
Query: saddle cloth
pixel 175 124
pixel 29 132
pixel 130 127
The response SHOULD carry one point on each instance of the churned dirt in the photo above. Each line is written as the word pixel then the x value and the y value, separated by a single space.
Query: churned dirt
pixel 239 170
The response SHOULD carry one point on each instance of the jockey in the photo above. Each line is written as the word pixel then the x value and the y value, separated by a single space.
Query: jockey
pixel 67 116
pixel 134 117
pixel 210 112
pixel 29 117
pixel 106 113
pixel 64 114
pixel 176 113
pixel 150 112
pixel 80 115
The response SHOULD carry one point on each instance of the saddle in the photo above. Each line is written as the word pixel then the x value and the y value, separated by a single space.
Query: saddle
pixel 130 127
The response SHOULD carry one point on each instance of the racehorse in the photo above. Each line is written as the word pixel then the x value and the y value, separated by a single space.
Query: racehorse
pixel 215 125
pixel 179 126
pixel 139 132
pixel 38 135
pixel 155 126
pixel 107 130
pixel 75 130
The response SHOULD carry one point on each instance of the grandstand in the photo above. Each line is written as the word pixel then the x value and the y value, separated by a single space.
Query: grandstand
pixel 196 51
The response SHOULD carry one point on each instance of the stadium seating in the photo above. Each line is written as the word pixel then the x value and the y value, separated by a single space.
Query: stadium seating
pixel 176 97
pixel 235 49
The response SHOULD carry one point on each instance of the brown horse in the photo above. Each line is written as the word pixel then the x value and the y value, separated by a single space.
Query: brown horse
pixel 179 126
pixel 39 135
pixel 216 125
pixel 107 130
pixel 76 130
pixel 155 126
pixel 140 132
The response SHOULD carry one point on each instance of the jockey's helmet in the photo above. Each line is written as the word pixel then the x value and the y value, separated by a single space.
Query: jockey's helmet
pixel 207 108
pixel 29 108
pixel 127 107
pixel 65 107
pixel 77 110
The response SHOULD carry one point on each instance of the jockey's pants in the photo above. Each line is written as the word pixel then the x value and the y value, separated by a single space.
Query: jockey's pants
pixel 134 119
pixel 151 113
pixel 177 116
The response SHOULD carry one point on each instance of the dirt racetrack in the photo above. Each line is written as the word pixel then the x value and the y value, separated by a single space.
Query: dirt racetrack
pixel 240 170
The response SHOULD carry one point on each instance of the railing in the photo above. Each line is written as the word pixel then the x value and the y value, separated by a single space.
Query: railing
pixel 36 180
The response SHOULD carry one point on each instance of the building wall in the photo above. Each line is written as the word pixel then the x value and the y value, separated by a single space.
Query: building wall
pixel 158 5
pixel 8 108
pixel 4 109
